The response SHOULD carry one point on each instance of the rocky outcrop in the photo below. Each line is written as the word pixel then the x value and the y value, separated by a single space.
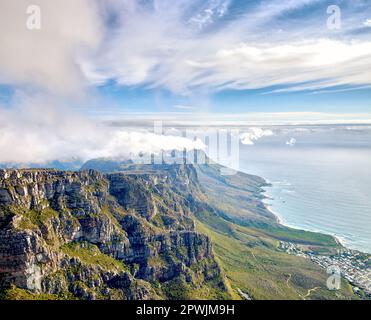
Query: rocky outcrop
pixel 103 236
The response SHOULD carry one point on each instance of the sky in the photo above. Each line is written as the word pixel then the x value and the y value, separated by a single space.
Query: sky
pixel 113 58
pixel 194 55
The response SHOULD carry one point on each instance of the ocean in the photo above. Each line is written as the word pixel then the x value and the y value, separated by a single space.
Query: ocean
pixel 321 179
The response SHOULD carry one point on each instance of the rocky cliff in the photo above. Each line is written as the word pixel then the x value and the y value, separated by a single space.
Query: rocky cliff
pixel 90 235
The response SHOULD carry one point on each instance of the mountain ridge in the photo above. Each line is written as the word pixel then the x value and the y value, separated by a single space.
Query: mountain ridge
pixel 149 232
pixel 52 222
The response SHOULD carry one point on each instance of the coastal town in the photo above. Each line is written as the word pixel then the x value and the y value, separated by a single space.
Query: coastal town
pixel 352 265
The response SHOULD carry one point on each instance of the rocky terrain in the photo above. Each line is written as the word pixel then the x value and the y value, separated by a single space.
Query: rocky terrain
pixel 121 230
pixel 246 236
pixel 89 235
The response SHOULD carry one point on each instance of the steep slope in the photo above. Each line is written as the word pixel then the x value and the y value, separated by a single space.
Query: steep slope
pixel 236 198
pixel 246 236
pixel 93 236
pixel 246 239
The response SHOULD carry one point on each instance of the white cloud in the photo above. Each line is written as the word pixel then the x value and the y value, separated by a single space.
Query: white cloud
pixel 367 23
pixel 49 57
pixel 250 67
pixel 162 43
pixel 158 48
pixel 254 134
pixel 40 131
pixel 214 9
pixel 291 142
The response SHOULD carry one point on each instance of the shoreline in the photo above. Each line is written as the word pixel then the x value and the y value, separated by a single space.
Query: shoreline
pixel 280 220
pixel 344 257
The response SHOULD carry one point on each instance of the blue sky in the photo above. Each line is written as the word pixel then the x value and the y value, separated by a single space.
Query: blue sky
pixel 337 100
pixel 223 56
pixel 276 23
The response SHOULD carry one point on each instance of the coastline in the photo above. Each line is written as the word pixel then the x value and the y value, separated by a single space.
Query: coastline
pixel 280 220
pixel 341 260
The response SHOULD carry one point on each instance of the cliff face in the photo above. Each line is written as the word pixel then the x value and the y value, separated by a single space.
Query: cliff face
pixel 94 236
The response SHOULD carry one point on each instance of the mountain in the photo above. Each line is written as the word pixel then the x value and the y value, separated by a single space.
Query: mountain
pixel 93 236
pixel 246 236
pixel 131 231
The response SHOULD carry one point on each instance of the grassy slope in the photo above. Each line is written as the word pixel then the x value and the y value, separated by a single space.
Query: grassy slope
pixel 15 293
pixel 248 250
pixel 253 263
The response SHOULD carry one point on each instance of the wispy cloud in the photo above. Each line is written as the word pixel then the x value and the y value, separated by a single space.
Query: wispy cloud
pixel 160 49
pixel 212 11
pixel 183 45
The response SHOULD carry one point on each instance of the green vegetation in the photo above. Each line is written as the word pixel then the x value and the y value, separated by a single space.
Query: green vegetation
pixel 157 261
pixel 91 255
pixel 99 185
pixel 180 289
pixel 14 293
pixel 254 265
pixel 32 219
pixel 39 220
pixel 246 237
pixel 299 236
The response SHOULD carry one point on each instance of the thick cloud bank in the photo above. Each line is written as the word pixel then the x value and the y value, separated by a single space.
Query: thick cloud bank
pixel 39 132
